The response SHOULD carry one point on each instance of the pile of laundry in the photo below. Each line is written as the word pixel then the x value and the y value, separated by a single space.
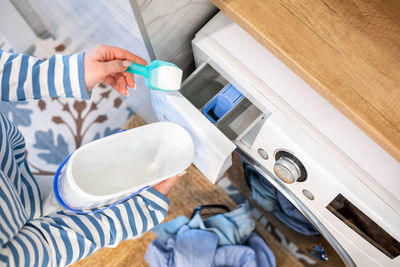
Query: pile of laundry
pixel 221 240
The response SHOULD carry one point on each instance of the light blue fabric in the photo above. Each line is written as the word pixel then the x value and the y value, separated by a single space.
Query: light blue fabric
pixel 214 242
pixel 270 199
pixel 255 253
pixel 193 248
pixel 265 196
pixel 166 230
pixel 231 228
pixel 190 247
pixel 235 256
pixel 264 255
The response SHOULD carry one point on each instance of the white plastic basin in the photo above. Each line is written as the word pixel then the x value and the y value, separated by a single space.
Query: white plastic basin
pixel 109 169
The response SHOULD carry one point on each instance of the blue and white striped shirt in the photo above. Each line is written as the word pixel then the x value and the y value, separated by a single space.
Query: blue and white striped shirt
pixel 27 237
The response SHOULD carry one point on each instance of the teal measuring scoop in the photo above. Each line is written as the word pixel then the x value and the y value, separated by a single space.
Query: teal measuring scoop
pixel 159 75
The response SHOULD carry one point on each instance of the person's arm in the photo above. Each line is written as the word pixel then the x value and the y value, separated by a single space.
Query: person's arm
pixel 64 238
pixel 25 77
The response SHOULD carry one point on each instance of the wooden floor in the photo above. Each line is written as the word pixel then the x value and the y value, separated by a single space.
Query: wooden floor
pixel 192 190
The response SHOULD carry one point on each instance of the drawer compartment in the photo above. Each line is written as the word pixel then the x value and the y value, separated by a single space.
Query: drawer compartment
pixel 202 85
pixel 240 119
pixel 222 103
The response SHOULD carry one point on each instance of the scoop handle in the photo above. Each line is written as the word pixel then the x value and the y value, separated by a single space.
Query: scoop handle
pixel 138 69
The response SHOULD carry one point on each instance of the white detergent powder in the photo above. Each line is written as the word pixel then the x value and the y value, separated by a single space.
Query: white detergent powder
pixel 168 77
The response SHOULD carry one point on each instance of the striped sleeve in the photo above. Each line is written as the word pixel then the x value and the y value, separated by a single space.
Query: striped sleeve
pixel 63 238
pixel 25 77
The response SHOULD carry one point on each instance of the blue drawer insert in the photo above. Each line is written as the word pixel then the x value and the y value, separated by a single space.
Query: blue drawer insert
pixel 220 104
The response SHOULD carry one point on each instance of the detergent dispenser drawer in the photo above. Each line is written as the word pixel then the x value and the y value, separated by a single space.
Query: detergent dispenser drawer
pixel 214 112
pixel 213 154
pixel 220 102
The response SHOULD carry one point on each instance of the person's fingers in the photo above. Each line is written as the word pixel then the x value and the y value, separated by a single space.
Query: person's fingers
pixel 165 186
pixel 107 53
pixel 171 182
pixel 110 81
pixel 121 84
pixel 113 82
pixel 114 66
pixel 129 79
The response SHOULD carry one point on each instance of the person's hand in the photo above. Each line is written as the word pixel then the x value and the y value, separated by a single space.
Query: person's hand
pixel 165 186
pixel 108 64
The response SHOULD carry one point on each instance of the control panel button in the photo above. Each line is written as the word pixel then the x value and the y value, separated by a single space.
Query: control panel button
pixel 262 153
pixel 308 194
pixel 287 170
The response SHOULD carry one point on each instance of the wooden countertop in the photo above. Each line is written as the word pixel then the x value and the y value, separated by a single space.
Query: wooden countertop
pixel 348 51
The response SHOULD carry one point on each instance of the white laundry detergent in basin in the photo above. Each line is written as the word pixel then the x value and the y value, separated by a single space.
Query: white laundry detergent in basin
pixel 112 169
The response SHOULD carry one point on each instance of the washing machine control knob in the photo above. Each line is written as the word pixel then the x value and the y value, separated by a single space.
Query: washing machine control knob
pixel 287 170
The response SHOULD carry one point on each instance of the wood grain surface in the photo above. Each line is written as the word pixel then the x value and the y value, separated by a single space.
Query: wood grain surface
pixel 346 50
